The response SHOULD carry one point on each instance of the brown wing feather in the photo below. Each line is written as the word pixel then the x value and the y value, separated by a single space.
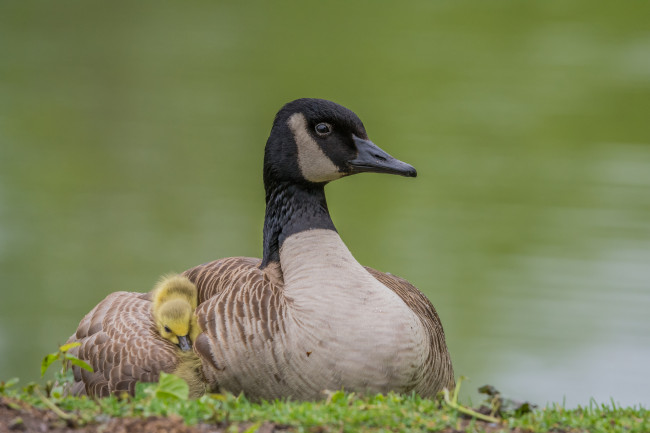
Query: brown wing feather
pixel 229 274
pixel 424 309
pixel 119 340
pixel 242 301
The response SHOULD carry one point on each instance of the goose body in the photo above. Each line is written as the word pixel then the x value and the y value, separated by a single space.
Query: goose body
pixel 308 317
pixel 270 337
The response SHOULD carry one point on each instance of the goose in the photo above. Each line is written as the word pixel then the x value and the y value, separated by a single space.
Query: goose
pixel 306 317
pixel 131 337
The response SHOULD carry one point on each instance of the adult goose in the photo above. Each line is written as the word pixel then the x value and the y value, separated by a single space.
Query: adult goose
pixel 308 317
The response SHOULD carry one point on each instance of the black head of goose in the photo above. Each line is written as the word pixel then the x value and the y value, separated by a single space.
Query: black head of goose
pixel 313 142
pixel 308 317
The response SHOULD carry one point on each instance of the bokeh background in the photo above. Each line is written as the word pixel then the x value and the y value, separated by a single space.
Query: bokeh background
pixel 131 137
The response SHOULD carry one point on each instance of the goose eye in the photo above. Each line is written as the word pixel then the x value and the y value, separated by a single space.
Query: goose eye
pixel 323 129
pixel 167 329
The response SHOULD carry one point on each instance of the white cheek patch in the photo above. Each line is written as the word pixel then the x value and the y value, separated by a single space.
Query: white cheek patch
pixel 314 164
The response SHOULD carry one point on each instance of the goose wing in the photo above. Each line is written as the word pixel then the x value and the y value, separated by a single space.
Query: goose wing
pixel 231 274
pixel 119 340
pixel 241 311
pixel 443 373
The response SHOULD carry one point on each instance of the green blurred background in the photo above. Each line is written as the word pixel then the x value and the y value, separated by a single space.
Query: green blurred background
pixel 131 137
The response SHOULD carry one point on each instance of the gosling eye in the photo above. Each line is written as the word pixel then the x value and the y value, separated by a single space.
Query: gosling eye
pixel 323 129
pixel 167 329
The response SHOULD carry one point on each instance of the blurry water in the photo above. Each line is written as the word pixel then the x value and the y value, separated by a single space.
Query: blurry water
pixel 131 142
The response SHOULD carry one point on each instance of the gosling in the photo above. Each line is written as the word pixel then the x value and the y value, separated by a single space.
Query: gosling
pixel 174 301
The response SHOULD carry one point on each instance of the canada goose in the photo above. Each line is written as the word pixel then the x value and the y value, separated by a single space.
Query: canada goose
pixel 131 337
pixel 307 317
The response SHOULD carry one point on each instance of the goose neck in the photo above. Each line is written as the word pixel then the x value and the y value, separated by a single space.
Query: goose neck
pixel 292 208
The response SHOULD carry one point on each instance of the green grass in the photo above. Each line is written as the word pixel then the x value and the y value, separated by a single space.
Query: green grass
pixel 339 411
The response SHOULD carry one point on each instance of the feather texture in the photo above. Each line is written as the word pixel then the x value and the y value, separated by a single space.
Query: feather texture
pixel 120 341
pixel 260 340
pixel 254 340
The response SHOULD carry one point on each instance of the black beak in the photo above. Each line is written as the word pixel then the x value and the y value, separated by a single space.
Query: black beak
pixel 371 158
pixel 184 343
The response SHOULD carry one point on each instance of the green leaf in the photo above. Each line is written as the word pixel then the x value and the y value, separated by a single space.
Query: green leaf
pixel 170 385
pixel 78 362
pixel 8 384
pixel 56 393
pixel 144 389
pixel 337 396
pixel 30 387
pixel 253 428
pixel 47 361
pixel 13 406
pixel 68 346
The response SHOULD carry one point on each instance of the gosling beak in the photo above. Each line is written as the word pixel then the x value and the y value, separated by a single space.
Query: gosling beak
pixel 184 343
pixel 371 158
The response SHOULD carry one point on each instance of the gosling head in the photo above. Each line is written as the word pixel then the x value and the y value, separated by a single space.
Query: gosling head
pixel 174 302
pixel 174 321
pixel 317 141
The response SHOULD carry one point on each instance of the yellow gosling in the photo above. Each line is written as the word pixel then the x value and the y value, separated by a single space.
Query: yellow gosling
pixel 174 301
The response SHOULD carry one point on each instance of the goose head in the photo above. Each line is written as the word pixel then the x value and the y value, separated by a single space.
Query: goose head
pixel 174 302
pixel 316 141
pixel 313 142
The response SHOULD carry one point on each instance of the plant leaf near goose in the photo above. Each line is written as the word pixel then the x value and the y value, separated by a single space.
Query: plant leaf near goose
pixel 169 386
pixel 63 356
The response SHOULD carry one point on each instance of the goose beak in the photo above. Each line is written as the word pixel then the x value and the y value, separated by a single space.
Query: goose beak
pixel 371 158
pixel 184 343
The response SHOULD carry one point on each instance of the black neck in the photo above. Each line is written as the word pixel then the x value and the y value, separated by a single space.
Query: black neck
pixel 292 208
